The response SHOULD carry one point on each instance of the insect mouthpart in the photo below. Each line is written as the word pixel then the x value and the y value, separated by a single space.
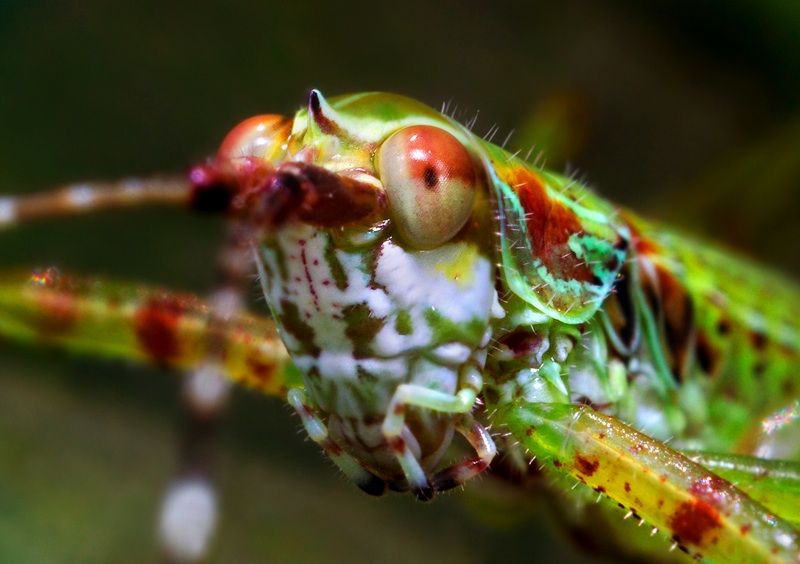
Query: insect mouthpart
pixel 268 196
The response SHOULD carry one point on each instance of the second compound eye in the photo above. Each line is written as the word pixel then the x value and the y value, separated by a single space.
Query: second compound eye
pixel 430 183
pixel 260 137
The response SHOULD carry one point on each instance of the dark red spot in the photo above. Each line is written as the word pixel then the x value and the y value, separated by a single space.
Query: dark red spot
pixel 260 370
pixel 156 324
pixel 586 466
pixel 333 449
pixel 398 445
pixel 550 225
pixel 693 520
pixel 529 431
pixel 556 463
pixel 707 354
pixel 662 478
pixel 399 409
pixel 58 313
pixel 758 339
pixel 627 487
pixel 601 436
pixel 600 489
pixel 744 529
pixel 523 342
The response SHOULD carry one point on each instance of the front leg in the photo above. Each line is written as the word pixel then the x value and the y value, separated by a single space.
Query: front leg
pixel 705 515
pixel 462 402
pixel 318 432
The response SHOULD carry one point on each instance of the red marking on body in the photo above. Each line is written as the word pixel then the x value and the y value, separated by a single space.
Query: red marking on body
pixel 662 478
pixel 693 520
pixel 640 243
pixel 523 342
pixel 550 226
pixel 627 487
pixel 156 324
pixel 307 272
pixel 556 463
pixel 585 465
pixel 759 340
pixel 601 436
pixel 399 409
pixel 333 449
pixel 58 313
pixel 325 124
pixel 744 529
pixel 708 356
pixel 398 445
pixel 261 371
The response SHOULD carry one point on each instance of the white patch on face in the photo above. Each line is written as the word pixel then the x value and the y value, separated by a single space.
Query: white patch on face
pixel 434 376
pixel 451 353
pixel 311 287
pixel 417 282
pixel 337 365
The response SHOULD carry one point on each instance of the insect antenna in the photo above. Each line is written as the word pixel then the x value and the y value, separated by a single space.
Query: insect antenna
pixel 187 526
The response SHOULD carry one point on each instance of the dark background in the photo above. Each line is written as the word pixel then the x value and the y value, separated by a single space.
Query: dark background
pixel 685 111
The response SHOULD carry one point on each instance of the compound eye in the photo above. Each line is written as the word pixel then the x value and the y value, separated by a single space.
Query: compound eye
pixel 430 183
pixel 260 137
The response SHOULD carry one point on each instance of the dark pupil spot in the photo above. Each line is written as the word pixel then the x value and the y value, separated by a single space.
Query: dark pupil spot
pixel 430 177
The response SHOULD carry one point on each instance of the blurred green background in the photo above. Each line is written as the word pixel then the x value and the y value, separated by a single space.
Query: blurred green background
pixel 686 111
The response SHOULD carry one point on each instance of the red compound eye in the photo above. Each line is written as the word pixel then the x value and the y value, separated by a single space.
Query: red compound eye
pixel 430 183
pixel 261 137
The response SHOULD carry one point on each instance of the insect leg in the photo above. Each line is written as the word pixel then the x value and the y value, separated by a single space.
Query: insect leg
pixel 418 396
pixel 112 319
pixel 773 483
pixel 705 515
pixel 318 432
pixel 459 473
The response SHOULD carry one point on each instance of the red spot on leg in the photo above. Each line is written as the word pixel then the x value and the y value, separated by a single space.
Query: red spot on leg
pixel 261 371
pixel 586 466
pixel 156 324
pixel 693 520
pixel 57 313
pixel 627 487
pixel 398 445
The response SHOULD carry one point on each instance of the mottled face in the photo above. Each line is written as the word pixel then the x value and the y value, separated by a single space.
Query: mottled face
pixel 376 261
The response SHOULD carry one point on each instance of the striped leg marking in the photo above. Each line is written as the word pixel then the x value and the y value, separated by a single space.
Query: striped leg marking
pixel 318 433
pixel 418 396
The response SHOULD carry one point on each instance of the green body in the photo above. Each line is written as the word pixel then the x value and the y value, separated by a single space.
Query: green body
pixel 480 292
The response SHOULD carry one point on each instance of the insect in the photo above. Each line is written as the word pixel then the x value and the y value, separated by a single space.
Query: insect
pixel 427 285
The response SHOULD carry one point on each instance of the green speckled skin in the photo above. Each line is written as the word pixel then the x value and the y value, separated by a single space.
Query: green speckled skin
pixel 589 340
